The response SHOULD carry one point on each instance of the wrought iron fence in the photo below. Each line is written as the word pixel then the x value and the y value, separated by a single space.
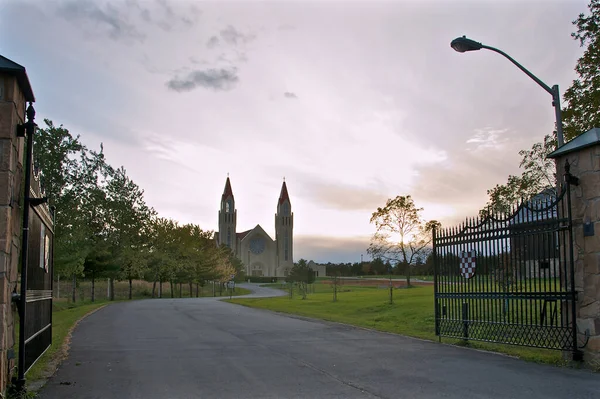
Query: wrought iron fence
pixel 507 277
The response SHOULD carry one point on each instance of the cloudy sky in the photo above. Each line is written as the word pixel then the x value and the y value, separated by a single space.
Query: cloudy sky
pixel 353 102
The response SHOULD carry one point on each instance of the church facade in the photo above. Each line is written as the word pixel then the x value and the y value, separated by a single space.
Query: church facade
pixel 260 254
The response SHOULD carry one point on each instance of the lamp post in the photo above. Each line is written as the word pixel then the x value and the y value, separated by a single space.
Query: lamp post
pixel 463 44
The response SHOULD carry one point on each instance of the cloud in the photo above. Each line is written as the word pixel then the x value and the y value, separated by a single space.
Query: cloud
pixel 110 18
pixel 288 94
pixel 216 79
pixel 119 19
pixel 232 36
pixel 212 42
pixel 327 249
pixel 488 138
pixel 341 197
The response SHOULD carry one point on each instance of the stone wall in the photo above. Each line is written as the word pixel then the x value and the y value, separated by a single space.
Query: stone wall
pixel 585 200
pixel 12 113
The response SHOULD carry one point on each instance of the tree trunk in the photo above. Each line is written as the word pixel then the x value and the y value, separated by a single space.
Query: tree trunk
pixel 180 291
pixel 408 275
pixel 160 288
pixel 74 288
pixel 197 290
pixel 93 287
pixel 153 288
pixel 112 289
pixel 171 283
pixel 191 290
pixel 130 288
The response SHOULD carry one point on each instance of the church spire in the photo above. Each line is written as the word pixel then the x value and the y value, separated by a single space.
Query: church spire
pixel 227 192
pixel 284 194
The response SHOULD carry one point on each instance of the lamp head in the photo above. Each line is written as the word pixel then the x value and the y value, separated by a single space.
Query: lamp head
pixel 462 44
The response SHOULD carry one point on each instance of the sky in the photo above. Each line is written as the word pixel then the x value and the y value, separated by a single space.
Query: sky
pixel 353 102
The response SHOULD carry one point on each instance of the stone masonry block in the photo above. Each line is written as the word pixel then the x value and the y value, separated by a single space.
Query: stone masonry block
pixel 590 185
pixel 591 311
pixel 6 188
pixel 5 220
pixel 592 243
pixel 6 153
pixel 594 344
pixel 590 325
pixel 4 290
pixel 585 161
pixel 4 265
pixel 591 285
pixel 7 120
pixel 591 264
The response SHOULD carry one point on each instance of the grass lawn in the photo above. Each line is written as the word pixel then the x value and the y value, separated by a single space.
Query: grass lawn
pixel 411 314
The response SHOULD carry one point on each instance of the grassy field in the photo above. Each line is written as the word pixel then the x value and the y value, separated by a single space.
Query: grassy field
pixel 411 314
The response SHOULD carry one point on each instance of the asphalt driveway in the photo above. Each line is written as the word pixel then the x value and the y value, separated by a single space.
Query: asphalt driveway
pixel 206 348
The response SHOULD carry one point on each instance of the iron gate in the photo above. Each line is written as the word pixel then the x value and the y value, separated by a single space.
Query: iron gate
pixel 508 277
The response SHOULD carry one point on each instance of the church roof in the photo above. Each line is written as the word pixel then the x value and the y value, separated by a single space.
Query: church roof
pixel 284 194
pixel 243 234
pixel 227 192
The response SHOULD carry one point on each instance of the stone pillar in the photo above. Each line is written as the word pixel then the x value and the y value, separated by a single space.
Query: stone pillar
pixel 15 91
pixel 583 156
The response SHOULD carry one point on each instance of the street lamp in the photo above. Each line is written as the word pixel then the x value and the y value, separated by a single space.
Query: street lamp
pixel 463 44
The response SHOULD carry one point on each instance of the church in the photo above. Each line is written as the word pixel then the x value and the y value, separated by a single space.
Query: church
pixel 260 254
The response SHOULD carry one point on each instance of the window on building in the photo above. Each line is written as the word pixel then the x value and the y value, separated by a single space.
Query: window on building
pixel 229 237
pixel 286 246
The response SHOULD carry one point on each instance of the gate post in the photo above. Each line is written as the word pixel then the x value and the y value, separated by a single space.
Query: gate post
pixel 15 91
pixel 583 157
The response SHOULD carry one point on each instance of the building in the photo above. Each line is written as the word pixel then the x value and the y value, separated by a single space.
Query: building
pixel 534 240
pixel 318 269
pixel 260 254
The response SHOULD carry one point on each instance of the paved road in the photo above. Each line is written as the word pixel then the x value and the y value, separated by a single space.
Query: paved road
pixel 205 348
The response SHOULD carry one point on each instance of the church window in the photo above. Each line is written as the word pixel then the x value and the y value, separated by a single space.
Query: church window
pixel 286 246
pixel 229 237
pixel 227 207
pixel 286 209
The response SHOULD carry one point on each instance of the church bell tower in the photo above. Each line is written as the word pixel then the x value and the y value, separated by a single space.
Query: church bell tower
pixel 284 231
pixel 227 218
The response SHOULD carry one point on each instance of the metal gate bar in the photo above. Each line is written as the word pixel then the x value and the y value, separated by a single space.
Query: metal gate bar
pixel 508 277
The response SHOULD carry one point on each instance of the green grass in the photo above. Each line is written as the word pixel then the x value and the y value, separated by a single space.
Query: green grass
pixel 411 314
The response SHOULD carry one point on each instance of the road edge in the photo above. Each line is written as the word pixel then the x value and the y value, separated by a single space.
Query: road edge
pixel 60 355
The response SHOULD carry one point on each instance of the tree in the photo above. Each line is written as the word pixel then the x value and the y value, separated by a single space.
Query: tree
pixel 302 275
pixel 538 175
pixel 401 233
pixel 583 97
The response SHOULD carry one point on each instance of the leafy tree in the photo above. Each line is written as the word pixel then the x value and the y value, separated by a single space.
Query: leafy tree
pixel 302 275
pixel 538 175
pixel 583 97
pixel 379 267
pixel 401 233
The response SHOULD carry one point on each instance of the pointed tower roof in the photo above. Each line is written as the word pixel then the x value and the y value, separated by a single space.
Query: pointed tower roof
pixel 284 194
pixel 227 192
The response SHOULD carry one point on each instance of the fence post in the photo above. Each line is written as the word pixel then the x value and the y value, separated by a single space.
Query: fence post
pixel 465 317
